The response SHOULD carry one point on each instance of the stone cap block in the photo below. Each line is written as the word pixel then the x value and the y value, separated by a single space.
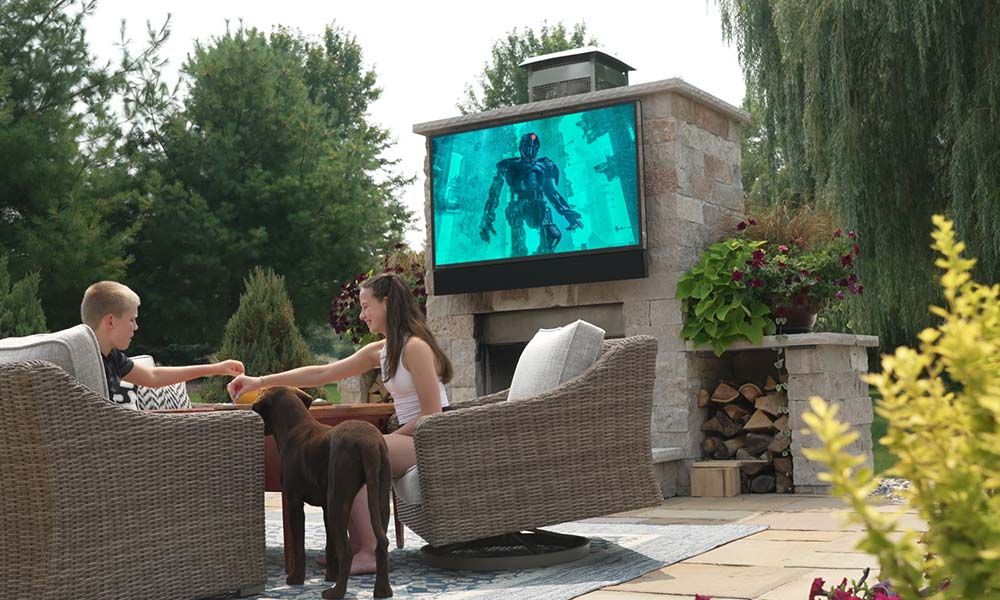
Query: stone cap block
pixel 798 339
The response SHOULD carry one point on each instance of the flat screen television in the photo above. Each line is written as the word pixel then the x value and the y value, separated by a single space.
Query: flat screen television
pixel 552 200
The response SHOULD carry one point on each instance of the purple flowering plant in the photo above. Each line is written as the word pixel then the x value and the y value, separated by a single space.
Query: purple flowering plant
pixel 345 308
pixel 742 288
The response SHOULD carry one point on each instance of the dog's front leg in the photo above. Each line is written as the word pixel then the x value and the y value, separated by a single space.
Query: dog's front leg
pixel 295 505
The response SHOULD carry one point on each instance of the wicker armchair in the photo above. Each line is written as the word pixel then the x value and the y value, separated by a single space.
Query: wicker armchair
pixel 580 450
pixel 100 502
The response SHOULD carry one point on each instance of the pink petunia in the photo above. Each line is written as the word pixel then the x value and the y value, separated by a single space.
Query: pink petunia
pixel 852 234
pixel 838 233
pixel 846 260
pixel 782 248
pixel 857 250
pixel 753 221
pixel 839 295
pixel 817 588
pixel 737 275
pixel 756 282
pixel 741 226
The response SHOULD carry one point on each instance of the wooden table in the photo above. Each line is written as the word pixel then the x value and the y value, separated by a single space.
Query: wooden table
pixel 376 414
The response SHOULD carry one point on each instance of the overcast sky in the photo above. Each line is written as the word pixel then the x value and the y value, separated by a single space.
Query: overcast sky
pixel 425 53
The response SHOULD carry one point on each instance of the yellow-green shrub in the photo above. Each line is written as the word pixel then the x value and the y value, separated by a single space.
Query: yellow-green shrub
pixel 943 407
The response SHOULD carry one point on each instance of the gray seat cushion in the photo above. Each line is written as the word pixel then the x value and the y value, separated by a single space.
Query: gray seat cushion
pixel 554 356
pixel 74 349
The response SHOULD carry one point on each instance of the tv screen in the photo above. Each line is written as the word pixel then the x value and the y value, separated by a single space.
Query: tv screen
pixel 544 201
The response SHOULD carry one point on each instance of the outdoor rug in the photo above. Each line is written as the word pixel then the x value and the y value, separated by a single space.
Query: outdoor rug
pixel 618 552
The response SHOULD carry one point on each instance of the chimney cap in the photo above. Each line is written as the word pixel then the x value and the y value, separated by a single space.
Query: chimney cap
pixel 555 58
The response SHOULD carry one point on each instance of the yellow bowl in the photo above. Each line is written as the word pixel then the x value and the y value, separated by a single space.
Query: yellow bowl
pixel 249 397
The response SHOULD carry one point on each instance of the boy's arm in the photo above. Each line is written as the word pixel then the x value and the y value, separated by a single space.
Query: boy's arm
pixel 155 377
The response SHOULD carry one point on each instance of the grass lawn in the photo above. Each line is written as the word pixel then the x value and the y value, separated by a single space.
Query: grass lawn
pixel 883 458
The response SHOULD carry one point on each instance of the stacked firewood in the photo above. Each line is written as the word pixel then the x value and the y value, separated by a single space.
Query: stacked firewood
pixel 750 424
pixel 377 391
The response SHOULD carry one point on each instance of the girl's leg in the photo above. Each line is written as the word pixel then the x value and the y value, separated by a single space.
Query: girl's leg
pixel 402 456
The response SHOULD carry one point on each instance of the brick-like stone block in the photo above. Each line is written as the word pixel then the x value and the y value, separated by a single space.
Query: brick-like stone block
pixel 728 196
pixel 689 209
pixel 807 472
pixel 667 475
pixel 721 222
pixel 670 418
pixel 458 394
pixel 717 169
pixel 636 313
pixel 673 257
pixel 659 130
pixel 665 312
pixel 453 326
pixel 660 180
pixel 464 375
pixel 463 351
pixel 659 156
pixel 829 386
pixel 657 286
pixel 673 364
pixel 711 121
pixel 823 359
pixel 855 411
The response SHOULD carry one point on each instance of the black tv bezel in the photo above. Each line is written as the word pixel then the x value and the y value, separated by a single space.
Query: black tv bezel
pixel 585 266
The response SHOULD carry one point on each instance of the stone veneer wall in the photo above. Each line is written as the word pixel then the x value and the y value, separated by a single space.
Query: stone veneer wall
pixel 693 195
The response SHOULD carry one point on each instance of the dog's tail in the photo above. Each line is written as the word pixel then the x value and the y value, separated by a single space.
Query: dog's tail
pixel 378 476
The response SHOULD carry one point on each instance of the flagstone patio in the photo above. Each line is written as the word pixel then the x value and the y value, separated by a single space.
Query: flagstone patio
pixel 808 537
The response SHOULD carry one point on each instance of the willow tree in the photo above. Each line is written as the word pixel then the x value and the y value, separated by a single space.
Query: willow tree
pixel 888 110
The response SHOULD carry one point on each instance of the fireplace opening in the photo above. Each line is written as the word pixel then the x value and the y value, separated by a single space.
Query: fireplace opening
pixel 502 336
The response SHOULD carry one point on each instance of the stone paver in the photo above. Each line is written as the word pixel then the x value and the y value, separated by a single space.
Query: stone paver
pixel 808 537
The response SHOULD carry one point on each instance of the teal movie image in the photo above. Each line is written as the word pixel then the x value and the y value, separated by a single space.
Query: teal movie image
pixel 556 185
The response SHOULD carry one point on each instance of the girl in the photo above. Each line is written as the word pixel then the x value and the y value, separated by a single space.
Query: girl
pixel 414 370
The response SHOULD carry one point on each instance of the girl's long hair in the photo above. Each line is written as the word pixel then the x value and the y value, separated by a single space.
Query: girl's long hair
pixel 403 318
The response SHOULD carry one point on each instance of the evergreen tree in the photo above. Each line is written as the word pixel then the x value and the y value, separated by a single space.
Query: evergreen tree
pixel 503 82
pixel 262 333
pixel 63 175
pixel 270 161
pixel 20 310
pixel 889 111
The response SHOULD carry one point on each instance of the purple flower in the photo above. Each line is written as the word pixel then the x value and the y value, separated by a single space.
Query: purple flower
pixel 857 249
pixel 843 282
pixel 758 255
pixel 782 248
pixel 741 226
pixel 838 233
pixel 753 221
pixel 853 278
pixel 846 260
pixel 737 275
pixel 839 295
pixel 851 234
pixel 756 282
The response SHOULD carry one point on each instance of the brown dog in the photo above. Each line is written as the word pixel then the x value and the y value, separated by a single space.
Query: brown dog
pixel 326 466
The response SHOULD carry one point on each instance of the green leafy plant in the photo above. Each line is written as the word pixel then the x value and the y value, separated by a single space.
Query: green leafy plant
pixel 345 308
pixel 719 307
pixel 942 404
pixel 743 288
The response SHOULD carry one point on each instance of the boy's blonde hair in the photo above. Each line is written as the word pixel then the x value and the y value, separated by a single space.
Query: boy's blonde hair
pixel 106 298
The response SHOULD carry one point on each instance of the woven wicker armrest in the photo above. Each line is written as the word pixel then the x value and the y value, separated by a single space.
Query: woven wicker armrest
pixel 579 450
pixel 482 400
pixel 178 495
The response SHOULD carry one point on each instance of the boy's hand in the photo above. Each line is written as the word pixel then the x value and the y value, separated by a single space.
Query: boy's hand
pixel 242 384
pixel 230 367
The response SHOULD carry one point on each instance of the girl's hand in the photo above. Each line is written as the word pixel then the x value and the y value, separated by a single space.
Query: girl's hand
pixel 230 367
pixel 242 384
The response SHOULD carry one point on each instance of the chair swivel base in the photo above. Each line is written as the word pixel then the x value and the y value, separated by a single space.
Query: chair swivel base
pixel 522 550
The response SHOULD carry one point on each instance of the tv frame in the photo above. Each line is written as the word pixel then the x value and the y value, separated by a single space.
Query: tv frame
pixel 583 266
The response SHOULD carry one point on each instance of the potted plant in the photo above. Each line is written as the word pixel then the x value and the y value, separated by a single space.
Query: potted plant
pixel 773 276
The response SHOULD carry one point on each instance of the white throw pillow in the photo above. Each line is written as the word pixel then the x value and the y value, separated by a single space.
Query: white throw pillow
pixel 554 356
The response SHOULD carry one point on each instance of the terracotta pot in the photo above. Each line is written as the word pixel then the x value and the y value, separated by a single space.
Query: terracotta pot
pixel 798 319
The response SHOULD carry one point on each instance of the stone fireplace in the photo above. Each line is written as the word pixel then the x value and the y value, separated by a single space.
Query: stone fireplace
pixel 693 197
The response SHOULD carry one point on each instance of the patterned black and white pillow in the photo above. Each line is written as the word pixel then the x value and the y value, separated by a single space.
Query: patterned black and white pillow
pixel 161 398
pixel 126 396
pixel 170 396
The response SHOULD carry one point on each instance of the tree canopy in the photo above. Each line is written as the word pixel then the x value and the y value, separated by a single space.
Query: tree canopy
pixel 269 162
pixel 503 82
pixel 889 111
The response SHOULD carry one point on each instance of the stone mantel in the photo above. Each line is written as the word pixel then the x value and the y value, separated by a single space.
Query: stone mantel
pixel 798 340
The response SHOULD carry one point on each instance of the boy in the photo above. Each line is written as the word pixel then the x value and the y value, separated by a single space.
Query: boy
pixel 111 310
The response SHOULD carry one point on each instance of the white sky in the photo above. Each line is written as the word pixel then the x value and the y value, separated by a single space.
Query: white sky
pixel 425 53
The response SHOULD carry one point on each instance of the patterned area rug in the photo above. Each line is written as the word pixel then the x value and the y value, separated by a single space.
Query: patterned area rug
pixel 618 552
